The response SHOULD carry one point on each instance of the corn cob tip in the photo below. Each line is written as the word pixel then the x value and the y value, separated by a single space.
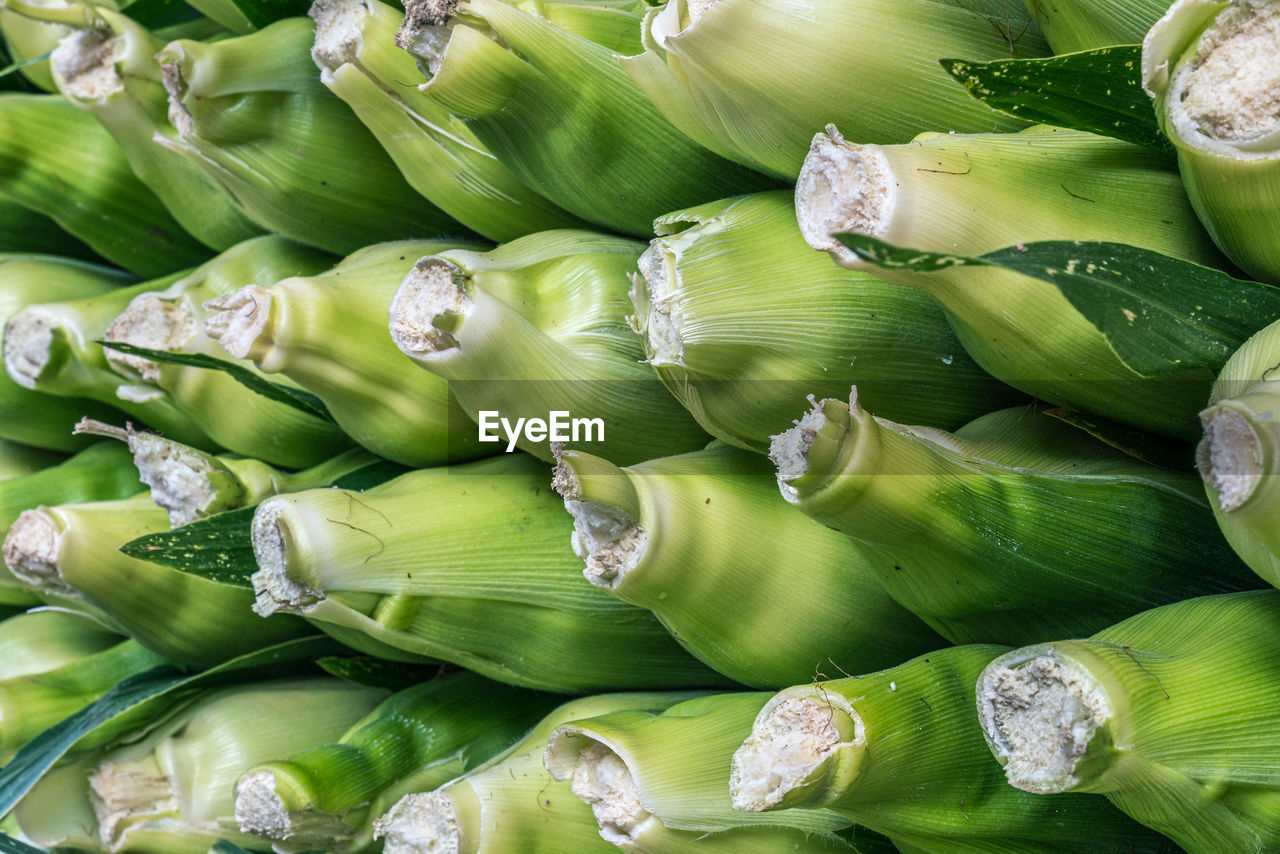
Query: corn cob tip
pixel 1039 711
pixel 658 314
pixel 238 318
pixel 28 346
pixel 1230 457
pixel 424 823
pixel 605 537
pixel 843 188
pixel 31 550
pixel 259 809
pixel 422 307
pixel 337 31
pixel 274 591
pixel 148 322
pixel 795 741
pixel 85 63
pixel 600 778
pixel 120 791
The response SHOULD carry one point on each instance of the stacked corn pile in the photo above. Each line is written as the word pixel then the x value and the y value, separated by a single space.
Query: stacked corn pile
pixel 553 426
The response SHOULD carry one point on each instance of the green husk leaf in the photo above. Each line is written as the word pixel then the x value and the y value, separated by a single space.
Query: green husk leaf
pixel 1148 447
pixel 9 845
pixel 299 399
pixel 156 14
pixel 1099 91
pixel 377 672
pixel 21 64
pixel 169 683
pixel 1161 315
pixel 259 13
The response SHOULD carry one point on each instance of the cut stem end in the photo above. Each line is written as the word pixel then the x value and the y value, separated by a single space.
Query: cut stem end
pixel 843 188
pixel 426 309
pixel 1230 456
pixel 420 824
pixel 273 589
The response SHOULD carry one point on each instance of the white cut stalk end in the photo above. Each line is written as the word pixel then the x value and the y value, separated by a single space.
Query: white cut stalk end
pixel 664 320
pixel 605 537
pixel 31 550
pixel 1231 90
pixel 1039 714
pixel 602 779
pixel 789 450
pixel 420 824
pixel 259 809
pixel 426 29
pixel 843 188
pixel 28 346
pixel 429 294
pixel 150 322
pixel 86 63
pixel 337 32
pixel 1230 456
pixel 791 739
pixel 273 589
pixel 177 476
pixel 179 116
pixel 238 319
pixel 123 791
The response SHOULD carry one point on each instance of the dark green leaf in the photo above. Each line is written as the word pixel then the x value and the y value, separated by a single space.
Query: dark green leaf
pixel 1161 315
pixel 1148 447
pixel 288 395
pixel 1099 91
pixel 379 673
pixel 219 548
pixel 9 845
pixel 160 688
pixel 374 474
pixel 263 12
pixel 157 14
pixel 222 846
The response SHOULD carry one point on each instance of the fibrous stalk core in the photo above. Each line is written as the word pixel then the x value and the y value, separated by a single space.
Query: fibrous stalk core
pixel 602 779
pixel 843 188
pixel 664 319
pixel 273 589
pixel 1230 456
pixel 31 550
pixel 259 809
pixel 337 31
pixel 121 791
pixel 238 319
pixel 151 322
pixel 424 823
pixel 1231 90
pixel 85 60
pixel 424 303
pixel 28 346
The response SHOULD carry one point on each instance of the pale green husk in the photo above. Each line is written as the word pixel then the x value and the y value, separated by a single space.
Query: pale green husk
pixel 17 460
pixel 1075 25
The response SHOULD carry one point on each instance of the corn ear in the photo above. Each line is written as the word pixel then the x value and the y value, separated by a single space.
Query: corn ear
pixel 252 113
pixel 753 81
pixel 436 152
pixel 1075 25
pixel 510 803
pixel 656 783
pixel 1165 714
pixel 538 326
pixel 400 575
pixel 683 535
pixel 61 163
pixel 1014 528
pixel 556 108
pixel 901 752
pixel 973 194
pixel 172 318
pixel 740 358
pixel 73 549
pixel 327 333
pixel 1240 453
pixel 326 798
pixel 28 416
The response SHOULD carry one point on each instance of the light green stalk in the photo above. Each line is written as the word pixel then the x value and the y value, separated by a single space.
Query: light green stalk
pixel 1209 67
pixel 510 803
pixel 752 81
pixel 901 752
pixel 252 113
pixel 327 798
pixel 1168 714
pixel 74 549
pixel 28 416
pixel 190 484
pixel 470 564
pixel 974 194
pixel 703 542
pixel 1015 528
pixel 557 109
pixel 172 791
pixel 536 327
pixel 52 348
pixel 437 153
pixel 1239 456
pixel 328 333
pixel 656 782
pixel 100 472
pixel 742 321
pixel 54 663
pixel 20 460
pixel 106 67
pixel 173 318
pixel 61 163
pixel 1074 25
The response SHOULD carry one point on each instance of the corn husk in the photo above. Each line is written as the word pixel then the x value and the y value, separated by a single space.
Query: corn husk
pixel 18 460
pixel 1238 455
pixel 468 564
pixel 1075 25
pixel 327 798
pixel 742 321
pixel 510 803
pixel 684 536
pixel 1015 528
pixel 293 157
pixel 24 231
pixel 554 106
pixel 753 81
pixel 1167 714
pixel 1207 66
pixel 327 333
pixel 900 752
pixel 535 327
